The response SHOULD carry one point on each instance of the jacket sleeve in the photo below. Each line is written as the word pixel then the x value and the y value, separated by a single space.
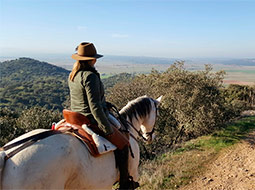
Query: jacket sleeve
pixel 92 88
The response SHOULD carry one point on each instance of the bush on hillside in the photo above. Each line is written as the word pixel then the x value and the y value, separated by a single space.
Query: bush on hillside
pixel 239 97
pixel 8 128
pixel 192 103
pixel 193 98
pixel 13 125
pixel 37 118
pixel 112 80
pixel 26 83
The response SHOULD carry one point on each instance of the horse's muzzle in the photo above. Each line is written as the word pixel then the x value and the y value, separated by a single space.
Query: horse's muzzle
pixel 150 137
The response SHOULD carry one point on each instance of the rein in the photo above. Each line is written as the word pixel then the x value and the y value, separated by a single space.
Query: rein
pixel 125 123
pixel 138 132
pixel 123 120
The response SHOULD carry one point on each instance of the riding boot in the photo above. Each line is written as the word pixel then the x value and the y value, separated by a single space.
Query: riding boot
pixel 118 139
pixel 123 168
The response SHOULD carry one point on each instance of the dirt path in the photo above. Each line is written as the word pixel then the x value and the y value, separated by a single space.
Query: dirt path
pixel 234 169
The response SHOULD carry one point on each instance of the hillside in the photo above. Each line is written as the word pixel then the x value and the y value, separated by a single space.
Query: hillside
pixel 222 160
pixel 112 80
pixel 25 68
pixel 27 82
pixel 195 104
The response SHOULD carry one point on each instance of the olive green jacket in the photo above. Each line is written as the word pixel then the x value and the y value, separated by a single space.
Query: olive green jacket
pixel 87 97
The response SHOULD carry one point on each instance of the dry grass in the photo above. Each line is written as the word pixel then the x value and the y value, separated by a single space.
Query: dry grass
pixel 239 82
pixel 175 169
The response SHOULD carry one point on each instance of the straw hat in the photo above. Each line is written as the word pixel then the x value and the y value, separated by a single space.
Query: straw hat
pixel 86 51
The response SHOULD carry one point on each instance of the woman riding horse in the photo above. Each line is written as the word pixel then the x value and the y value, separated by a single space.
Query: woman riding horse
pixel 61 161
pixel 87 98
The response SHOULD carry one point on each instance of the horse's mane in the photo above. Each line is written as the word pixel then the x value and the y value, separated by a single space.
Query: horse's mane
pixel 140 106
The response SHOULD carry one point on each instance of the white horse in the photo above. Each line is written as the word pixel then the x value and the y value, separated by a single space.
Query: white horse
pixel 62 162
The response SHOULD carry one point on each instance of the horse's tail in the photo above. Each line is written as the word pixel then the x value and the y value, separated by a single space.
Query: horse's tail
pixel 2 163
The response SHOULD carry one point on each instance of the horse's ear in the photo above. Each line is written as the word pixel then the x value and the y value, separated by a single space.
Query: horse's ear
pixel 159 99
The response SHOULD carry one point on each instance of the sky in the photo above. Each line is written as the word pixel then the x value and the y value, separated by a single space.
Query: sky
pixel 154 28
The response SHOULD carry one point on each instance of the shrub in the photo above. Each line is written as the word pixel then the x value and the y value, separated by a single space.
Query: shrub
pixel 8 128
pixel 37 118
pixel 192 102
pixel 239 97
pixel 13 125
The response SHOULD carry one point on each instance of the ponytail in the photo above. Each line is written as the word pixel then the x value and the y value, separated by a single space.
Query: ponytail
pixel 79 65
pixel 76 68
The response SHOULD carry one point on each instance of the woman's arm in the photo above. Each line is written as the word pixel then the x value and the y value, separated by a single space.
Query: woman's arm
pixel 92 88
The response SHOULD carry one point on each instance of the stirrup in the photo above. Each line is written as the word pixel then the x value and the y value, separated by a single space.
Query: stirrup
pixel 129 185
pixel 133 184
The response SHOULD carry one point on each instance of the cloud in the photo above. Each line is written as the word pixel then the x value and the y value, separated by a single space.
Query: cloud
pixel 81 28
pixel 120 35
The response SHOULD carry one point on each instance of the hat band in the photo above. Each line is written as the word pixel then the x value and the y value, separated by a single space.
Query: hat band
pixel 86 55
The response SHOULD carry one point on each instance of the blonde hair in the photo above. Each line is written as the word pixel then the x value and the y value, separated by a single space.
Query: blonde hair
pixel 78 65
pixel 76 68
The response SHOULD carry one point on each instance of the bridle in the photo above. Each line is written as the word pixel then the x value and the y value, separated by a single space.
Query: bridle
pixel 151 133
pixel 131 125
pixel 138 132
pixel 125 123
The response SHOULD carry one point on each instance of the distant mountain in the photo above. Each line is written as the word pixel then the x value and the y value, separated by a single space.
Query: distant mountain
pixel 239 62
pixel 25 68
pixel 113 59
pixel 26 82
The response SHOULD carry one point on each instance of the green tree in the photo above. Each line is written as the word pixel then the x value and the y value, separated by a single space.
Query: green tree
pixel 239 97
pixel 13 124
pixel 37 118
pixel 192 103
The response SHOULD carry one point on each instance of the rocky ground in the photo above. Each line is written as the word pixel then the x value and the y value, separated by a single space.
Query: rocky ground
pixel 234 169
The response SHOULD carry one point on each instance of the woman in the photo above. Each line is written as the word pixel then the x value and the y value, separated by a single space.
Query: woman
pixel 87 98
pixel 86 88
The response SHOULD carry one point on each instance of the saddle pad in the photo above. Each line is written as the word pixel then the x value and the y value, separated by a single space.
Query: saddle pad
pixel 102 144
pixel 96 144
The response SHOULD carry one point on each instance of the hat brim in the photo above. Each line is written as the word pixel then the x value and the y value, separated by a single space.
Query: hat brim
pixel 78 57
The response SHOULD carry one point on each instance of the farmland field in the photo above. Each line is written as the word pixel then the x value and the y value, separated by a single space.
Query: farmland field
pixel 238 71
pixel 244 75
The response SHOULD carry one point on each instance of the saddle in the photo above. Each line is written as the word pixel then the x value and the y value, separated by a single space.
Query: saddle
pixel 75 121
pixel 74 124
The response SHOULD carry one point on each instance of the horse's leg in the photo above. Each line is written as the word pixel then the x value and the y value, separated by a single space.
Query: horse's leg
pixel 134 162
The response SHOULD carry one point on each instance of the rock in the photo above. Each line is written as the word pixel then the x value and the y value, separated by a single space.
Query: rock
pixel 210 180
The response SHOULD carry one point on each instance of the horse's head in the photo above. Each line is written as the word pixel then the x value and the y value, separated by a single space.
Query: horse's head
pixel 147 126
pixel 142 113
